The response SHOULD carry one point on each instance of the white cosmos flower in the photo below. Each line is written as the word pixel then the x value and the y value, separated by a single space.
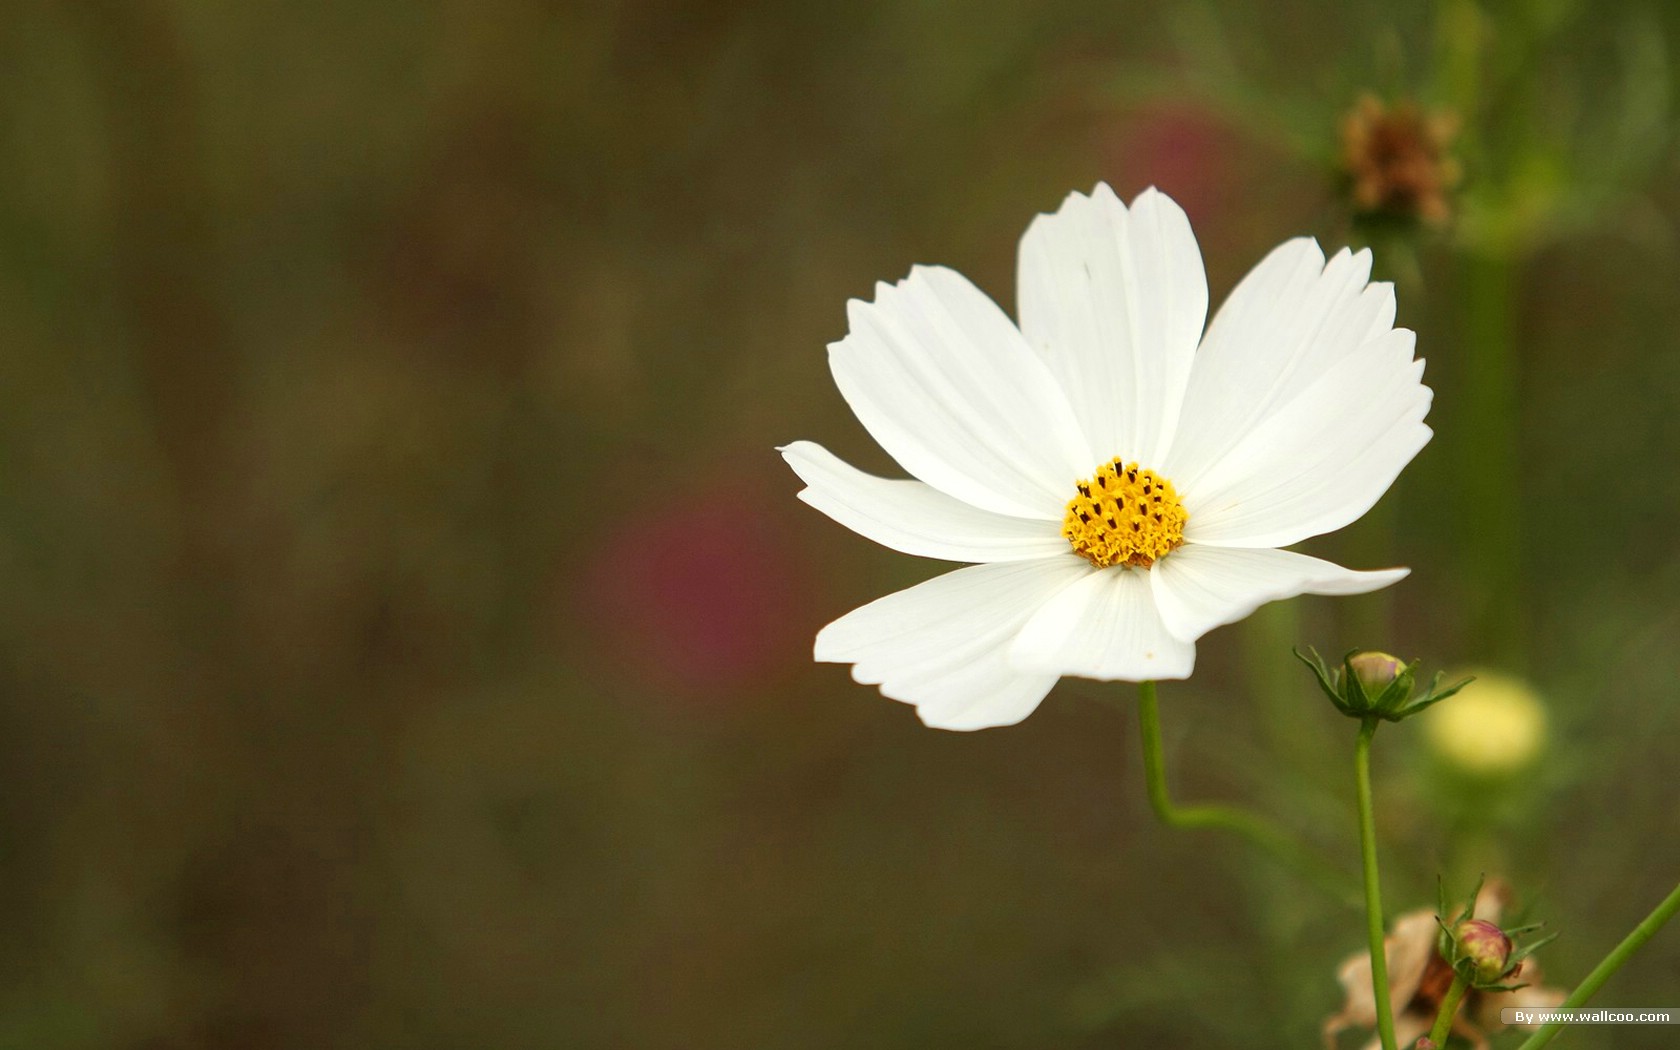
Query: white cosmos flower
pixel 1202 453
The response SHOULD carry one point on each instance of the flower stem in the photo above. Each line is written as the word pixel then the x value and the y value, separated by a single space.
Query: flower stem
pixel 1646 929
pixel 1449 1006
pixel 1373 890
pixel 1251 826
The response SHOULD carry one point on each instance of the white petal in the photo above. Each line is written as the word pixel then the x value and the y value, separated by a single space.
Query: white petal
pixel 1199 588
pixel 940 645
pixel 1323 459
pixel 913 517
pixel 1285 324
pixel 944 382
pixel 1115 302
pixel 1105 626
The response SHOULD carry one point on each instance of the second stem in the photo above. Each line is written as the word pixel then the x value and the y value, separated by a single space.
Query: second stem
pixel 1373 888
pixel 1251 826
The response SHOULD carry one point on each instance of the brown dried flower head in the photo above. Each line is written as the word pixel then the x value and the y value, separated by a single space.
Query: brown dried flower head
pixel 1396 157
pixel 1418 980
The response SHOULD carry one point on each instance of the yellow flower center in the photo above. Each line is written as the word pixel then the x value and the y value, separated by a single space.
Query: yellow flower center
pixel 1124 515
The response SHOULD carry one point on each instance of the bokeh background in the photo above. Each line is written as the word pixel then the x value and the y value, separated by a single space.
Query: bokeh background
pixel 406 625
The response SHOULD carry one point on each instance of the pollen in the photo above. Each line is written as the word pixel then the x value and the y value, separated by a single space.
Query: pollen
pixel 1124 515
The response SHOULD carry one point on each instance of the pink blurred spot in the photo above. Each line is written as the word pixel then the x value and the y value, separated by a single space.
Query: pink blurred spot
pixel 697 590
pixel 1180 148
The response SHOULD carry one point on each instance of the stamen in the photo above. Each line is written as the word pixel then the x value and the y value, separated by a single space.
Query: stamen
pixel 1153 528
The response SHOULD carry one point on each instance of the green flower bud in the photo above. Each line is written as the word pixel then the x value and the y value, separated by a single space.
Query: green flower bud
pixel 1375 685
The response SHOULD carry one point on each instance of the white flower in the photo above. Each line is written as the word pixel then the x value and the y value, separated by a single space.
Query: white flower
pixel 1123 479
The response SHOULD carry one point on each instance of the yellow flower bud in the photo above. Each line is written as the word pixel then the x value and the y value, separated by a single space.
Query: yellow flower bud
pixel 1494 728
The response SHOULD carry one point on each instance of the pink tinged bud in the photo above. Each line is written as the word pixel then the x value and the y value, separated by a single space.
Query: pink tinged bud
pixel 1376 670
pixel 1426 1043
pixel 1485 945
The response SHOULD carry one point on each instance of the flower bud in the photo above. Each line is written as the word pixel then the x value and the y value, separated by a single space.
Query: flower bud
pixel 1485 946
pixel 1375 685
pixel 1376 670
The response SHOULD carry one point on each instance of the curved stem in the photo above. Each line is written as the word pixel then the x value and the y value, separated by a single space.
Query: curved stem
pixel 1449 1006
pixel 1646 929
pixel 1373 890
pixel 1251 826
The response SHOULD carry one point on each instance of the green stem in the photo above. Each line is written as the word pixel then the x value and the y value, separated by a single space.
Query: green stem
pixel 1449 1006
pixel 1373 890
pixel 1488 418
pixel 1646 929
pixel 1251 826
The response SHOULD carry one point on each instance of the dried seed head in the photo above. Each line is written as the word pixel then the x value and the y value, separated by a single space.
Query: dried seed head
pixel 1396 158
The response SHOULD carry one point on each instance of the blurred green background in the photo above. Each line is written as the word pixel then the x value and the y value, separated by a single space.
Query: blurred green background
pixel 406 633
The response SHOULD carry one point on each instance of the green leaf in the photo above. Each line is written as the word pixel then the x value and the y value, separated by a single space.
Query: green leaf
pixel 1319 671
pixel 1352 688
